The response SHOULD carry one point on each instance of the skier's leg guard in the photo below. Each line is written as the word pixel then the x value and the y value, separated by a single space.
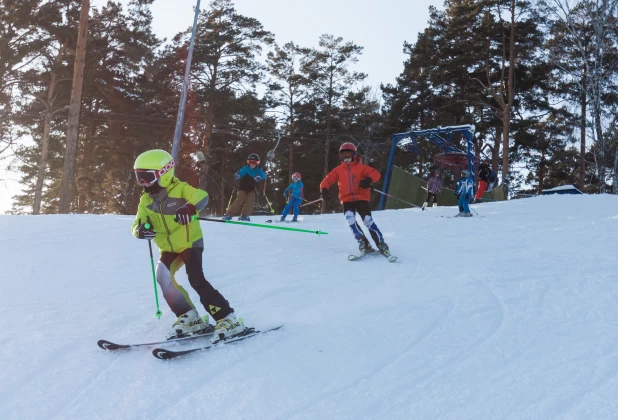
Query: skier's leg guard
pixel 350 217
pixel 373 230
pixel 216 305
pixel 175 295
pixel 365 213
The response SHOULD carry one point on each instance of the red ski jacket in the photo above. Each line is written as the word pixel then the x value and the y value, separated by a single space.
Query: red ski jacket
pixel 347 176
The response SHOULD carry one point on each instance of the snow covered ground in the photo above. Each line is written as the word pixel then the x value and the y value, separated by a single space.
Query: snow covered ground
pixel 513 315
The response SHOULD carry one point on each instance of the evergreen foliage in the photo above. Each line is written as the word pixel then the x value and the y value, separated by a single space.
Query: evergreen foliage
pixel 249 95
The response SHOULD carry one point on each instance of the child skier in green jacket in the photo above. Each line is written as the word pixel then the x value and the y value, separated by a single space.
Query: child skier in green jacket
pixel 165 214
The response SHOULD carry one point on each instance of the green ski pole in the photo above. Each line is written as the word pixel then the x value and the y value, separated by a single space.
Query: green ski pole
pixel 206 219
pixel 154 277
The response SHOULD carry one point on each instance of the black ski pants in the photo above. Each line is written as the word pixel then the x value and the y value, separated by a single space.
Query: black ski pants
pixel 176 297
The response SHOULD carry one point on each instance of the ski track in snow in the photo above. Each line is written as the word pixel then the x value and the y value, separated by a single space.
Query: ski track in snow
pixel 511 315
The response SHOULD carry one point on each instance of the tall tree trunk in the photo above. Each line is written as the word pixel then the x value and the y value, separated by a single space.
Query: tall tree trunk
pixel 49 112
pixel 325 204
pixel 541 172
pixel 615 179
pixel 495 152
pixel 291 131
pixel 68 172
pixel 510 93
pixel 84 181
pixel 505 145
pixel 222 176
pixel 582 135
pixel 291 160
pixel 205 146
pixel 596 109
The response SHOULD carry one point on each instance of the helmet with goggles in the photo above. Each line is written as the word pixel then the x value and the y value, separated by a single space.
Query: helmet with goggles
pixel 152 166
pixel 296 175
pixel 347 152
pixel 253 158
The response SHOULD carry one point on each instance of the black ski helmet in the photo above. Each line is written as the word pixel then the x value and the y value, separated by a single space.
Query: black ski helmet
pixel 254 156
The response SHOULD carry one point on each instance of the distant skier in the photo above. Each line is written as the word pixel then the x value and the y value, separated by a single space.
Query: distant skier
pixel 295 194
pixel 354 180
pixel 465 189
pixel 493 181
pixel 434 187
pixel 165 214
pixel 249 175
pixel 484 175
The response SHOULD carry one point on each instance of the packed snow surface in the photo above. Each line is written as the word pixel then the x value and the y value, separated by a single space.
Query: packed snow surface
pixel 511 314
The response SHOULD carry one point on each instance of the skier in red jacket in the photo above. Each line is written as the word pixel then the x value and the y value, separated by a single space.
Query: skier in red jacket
pixel 354 180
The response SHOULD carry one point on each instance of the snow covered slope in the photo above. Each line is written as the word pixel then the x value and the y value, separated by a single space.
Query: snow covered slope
pixel 513 315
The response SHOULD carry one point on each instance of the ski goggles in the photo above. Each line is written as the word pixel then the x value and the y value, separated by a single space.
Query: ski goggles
pixel 346 154
pixel 147 177
pixel 295 179
pixel 253 162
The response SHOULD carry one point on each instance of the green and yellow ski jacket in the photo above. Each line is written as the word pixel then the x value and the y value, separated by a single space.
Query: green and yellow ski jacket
pixel 159 209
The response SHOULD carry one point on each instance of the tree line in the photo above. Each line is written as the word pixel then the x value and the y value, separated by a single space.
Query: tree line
pixel 537 79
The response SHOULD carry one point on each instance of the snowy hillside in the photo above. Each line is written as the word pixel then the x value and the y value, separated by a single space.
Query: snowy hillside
pixel 513 315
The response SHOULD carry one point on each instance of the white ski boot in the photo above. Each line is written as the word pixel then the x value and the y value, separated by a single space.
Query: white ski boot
pixel 227 327
pixel 424 205
pixel 187 324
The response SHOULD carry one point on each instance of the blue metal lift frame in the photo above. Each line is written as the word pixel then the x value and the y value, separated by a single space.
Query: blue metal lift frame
pixel 409 143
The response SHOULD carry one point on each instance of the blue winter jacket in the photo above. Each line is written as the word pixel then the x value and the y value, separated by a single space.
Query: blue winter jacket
pixel 465 187
pixel 247 175
pixel 295 189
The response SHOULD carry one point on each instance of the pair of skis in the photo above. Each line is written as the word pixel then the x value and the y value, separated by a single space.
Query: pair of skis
pixel 165 354
pixel 391 258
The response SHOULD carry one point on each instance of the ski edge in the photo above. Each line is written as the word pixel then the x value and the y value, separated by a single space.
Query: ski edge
pixel 164 354
pixel 111 346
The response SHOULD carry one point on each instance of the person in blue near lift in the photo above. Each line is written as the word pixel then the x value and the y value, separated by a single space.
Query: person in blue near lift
pixel 248 176
pixel 465 191
pixel 295 194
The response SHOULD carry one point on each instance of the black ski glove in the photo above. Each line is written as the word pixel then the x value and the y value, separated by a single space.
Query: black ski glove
pixel 325 194
pixel 365 183
pixel 144 231
pixel 184 214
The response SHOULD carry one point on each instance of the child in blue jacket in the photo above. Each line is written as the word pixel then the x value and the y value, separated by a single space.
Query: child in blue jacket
pixel 295 194
pixel 465 191
pixel 248 176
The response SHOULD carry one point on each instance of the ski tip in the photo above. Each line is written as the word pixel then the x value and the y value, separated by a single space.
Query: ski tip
pixel 108 345
pixel 163 354
pixel 160 353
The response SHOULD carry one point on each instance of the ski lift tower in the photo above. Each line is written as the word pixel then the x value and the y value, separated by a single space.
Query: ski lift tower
pixel 451 157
